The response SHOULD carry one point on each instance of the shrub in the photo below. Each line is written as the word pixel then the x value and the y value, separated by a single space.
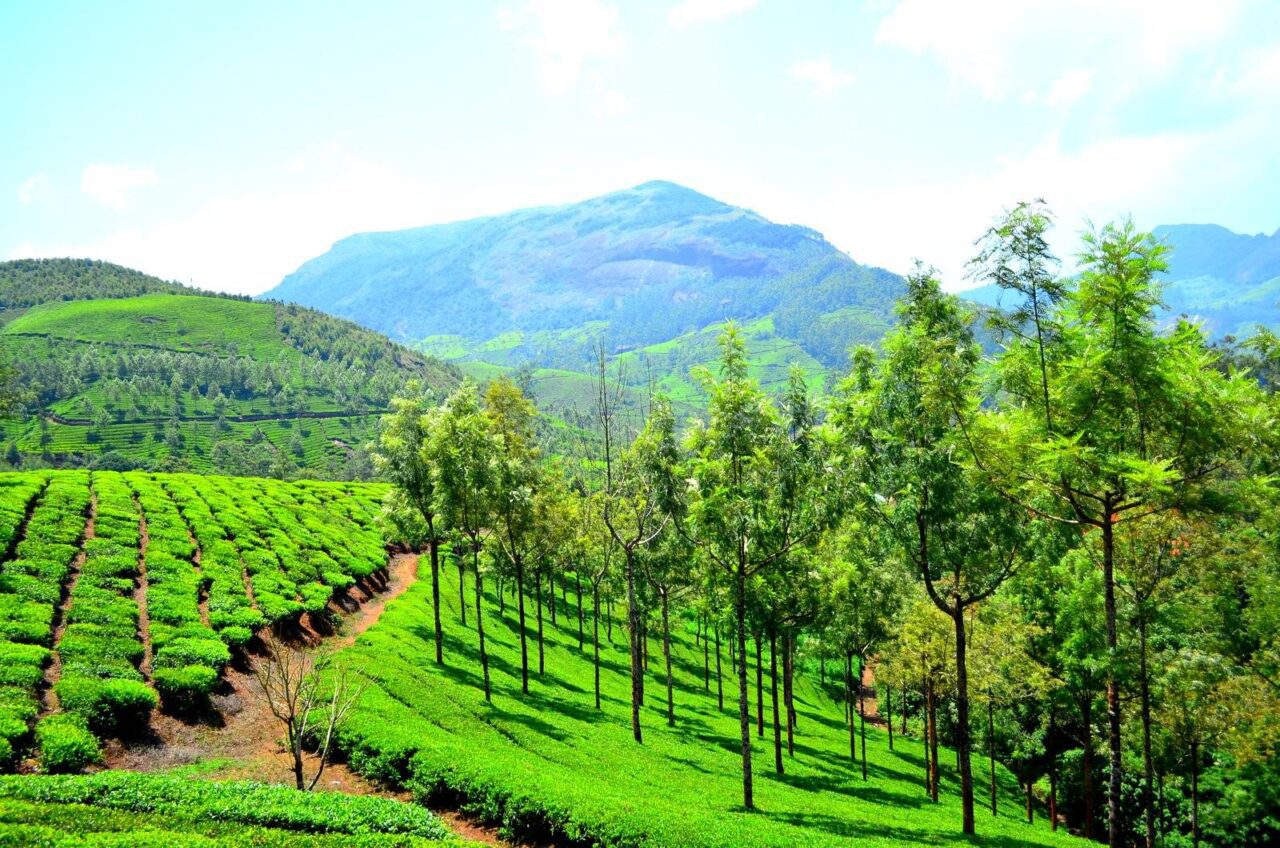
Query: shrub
pixel 108 706
pixel 66 745
pixel 235 636
pixel 193 651
pixel 185 688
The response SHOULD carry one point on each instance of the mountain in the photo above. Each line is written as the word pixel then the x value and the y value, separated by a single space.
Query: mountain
pixel 1228 281
pixel 123 368
pixel 650 263
pixel 651 273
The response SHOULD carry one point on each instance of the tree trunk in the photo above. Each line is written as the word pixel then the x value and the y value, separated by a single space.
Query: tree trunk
pixel 706 660
pixel 295 748
pixel 788 686
pixel 719 676
pixel 502 596
pixel 595 637
pixel 484 657
pixel 524 647
pixel 759 689
pixel 666 656
pixel 577 579
pixel 537 579
pixel 991 749
pixel 933 741
pixel 1148 769
pixel 903 690
pixel 1053 795
pixel 1195 794
pixel 962 721
pixel 608 618
pixel 924 737
pixel 633 637
pixel 773 686
pixel 462 590
pixel 1031 818
pixel 1114 741
pixel 848 705
pixel 433 548
pixel 862 712
pixel 1086 763
pixel 888 707
pixel 551 597
pixel 744 709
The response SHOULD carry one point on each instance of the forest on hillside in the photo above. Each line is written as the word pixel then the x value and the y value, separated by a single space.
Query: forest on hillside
pixel 1062 558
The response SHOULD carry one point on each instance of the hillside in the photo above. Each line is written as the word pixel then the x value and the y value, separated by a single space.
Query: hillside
pixel 27 282
pixel 635 267
pixel 1228 281
pixel 186 381
pixel 549 763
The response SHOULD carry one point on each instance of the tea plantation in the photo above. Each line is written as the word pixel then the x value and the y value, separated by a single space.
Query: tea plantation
pixel 121 592
pixel 145 811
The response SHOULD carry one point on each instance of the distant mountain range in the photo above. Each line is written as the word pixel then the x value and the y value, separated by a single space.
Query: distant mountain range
pixel 653 271
pixel 1228 281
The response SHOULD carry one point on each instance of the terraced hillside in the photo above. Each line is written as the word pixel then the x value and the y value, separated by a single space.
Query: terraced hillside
pixel 123 592
pixel 178 381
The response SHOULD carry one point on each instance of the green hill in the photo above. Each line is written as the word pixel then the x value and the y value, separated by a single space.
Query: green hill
pixel 27 282
pixel 176 380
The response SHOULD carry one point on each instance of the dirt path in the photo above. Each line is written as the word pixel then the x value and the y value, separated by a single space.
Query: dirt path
pixel 242 740
pixel 53 673
pixel 140 593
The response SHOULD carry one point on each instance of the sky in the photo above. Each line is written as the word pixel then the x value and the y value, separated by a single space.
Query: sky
pixel 224 144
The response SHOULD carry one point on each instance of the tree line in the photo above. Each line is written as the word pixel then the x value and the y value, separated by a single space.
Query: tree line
pixel 1061 557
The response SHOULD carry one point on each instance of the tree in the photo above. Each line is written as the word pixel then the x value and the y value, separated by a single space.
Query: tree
pixel 466 450
pixel 402 456
pixel 1132 421
pixel 635 494
pixel 516 480
pixel 962 537
pixel 310 694
pixel 751 499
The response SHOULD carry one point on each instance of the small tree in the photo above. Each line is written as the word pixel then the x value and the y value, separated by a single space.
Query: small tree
pixel 310 693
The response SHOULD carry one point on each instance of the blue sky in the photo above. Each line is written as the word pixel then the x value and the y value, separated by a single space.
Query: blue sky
pixel 226 143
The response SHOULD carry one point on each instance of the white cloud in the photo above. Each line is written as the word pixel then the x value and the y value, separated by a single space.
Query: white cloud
pixel 823 77
pixel 35 189
pixel 112 185
pixel 1003 48
pixel 936 219
pixel 564 36
pixel 246 241
pixel 1260 74
pixel 692 12
pixel 1069 88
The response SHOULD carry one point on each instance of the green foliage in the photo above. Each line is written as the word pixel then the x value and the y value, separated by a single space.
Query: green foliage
pixel 65 744
pixel 195 805
pixel 107 706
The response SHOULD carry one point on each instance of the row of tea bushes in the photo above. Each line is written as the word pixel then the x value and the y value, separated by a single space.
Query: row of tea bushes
pixel 101 647
pixel 187 654
pixel 41 555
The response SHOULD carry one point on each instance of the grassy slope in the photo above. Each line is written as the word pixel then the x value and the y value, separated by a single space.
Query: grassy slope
pixel 550 755
pixel 174 322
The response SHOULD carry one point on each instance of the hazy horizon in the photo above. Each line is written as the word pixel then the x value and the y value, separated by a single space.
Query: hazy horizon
pixel 897 129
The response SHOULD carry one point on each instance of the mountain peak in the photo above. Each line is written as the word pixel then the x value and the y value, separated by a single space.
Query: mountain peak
pixel 650 262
